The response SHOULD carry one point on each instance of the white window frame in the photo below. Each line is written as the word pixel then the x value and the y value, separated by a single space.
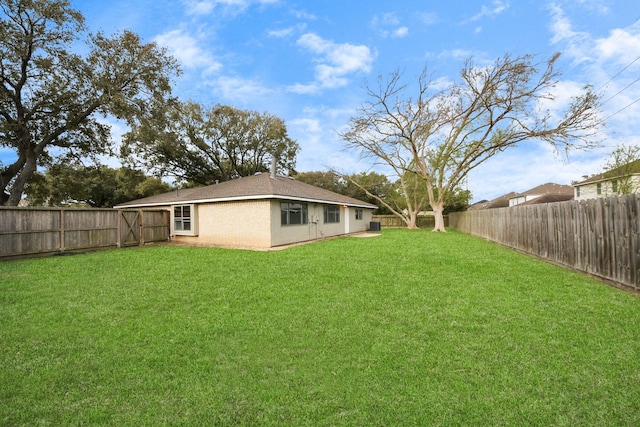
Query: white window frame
pixel 359 214
pixel 331 214
pixel 285 213
pixel 192 220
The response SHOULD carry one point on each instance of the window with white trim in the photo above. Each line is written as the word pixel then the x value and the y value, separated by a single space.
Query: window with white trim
pixel 331 214
pixel 184 220
pixel 294 213
pixel 359 214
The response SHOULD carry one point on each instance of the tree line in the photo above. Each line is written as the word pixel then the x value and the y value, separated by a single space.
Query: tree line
pixel 54 105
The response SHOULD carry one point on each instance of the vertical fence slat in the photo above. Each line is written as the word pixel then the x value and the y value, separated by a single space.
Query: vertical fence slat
pixel 26 231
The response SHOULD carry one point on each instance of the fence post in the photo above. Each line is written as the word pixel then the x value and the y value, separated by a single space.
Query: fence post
pixel 141 214
pixel 119 231
pixel 61 230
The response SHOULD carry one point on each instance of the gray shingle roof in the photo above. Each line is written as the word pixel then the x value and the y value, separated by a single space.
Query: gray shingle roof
pixel 498 202
pixel 548 188
pixel 261 186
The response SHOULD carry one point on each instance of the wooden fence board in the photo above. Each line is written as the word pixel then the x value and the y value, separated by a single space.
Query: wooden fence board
pixel 597 236
pixel 393 221
pixel 25 231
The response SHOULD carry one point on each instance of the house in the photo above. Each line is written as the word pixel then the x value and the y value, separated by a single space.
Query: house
pixel 622 180
pixel 498 202
pixel 544 193
pixel 260 211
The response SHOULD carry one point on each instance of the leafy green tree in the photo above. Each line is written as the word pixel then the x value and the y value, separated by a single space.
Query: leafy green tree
pixel 442 134
pixel 328 180
pixel 51 98
pixel 375 187
pixel 94 186
pixel 623 165
pixel 379 190
pixel 201 146
pixel 457 201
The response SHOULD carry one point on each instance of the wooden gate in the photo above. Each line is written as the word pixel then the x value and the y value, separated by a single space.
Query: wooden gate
pixel 129 226
pixel 34 230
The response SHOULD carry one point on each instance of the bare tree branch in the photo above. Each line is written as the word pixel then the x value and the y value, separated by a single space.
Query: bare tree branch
pixel 444 134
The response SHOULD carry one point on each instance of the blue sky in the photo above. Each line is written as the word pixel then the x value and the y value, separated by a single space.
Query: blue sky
pixel 306 61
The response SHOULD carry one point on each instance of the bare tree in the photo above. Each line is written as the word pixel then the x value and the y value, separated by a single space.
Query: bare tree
pixel 442 134
pixel 405 199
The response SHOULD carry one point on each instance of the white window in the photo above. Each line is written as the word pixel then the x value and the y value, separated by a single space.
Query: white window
pixel 294 213
pixel 359 214
pixel 331 214
pixel 184 220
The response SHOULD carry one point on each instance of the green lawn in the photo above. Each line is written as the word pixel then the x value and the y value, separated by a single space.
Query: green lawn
pixel 409 328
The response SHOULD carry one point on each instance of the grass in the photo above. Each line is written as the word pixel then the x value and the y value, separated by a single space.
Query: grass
pixel 410 328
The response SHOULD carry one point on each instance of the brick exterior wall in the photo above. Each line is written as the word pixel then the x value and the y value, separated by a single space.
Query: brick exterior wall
pixel 256 224
pixel 244 224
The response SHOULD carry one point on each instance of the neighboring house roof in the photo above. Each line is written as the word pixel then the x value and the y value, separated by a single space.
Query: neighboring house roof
pixel 549 188
pixel 629 169
pixel 544 193
pixel 498 202
pixel 548 198
pixel 259 186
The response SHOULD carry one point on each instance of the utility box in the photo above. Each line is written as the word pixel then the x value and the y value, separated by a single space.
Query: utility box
pixel 374 226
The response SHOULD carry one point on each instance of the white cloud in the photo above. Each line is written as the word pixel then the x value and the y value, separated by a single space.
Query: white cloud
pixel 386 19
pixel 336 61
pixel 301 14
pixel 496 8
pixel 428 18
pixel 388 25
pixel 599 6
pixel 186 50
pixel 239 90
pixel 622 46
pixel 315 128
pixel 563 93
pixel 400 32
pixel 286 32
pixel 200 7
pixel 206 7
pixel 576 44
pixel 611 64
pixel 304 89
pixel 531 165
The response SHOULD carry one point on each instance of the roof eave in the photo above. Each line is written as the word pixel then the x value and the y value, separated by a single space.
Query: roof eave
pixel 604 179
pixel 240 198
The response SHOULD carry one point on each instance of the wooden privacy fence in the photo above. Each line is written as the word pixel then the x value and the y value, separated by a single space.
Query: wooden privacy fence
pixel 392 221
pixel 25 231
pixel 598 236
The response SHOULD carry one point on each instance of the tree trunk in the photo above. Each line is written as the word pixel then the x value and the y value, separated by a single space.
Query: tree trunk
pixel 17 189
pixel 438 209
pixel 411 220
